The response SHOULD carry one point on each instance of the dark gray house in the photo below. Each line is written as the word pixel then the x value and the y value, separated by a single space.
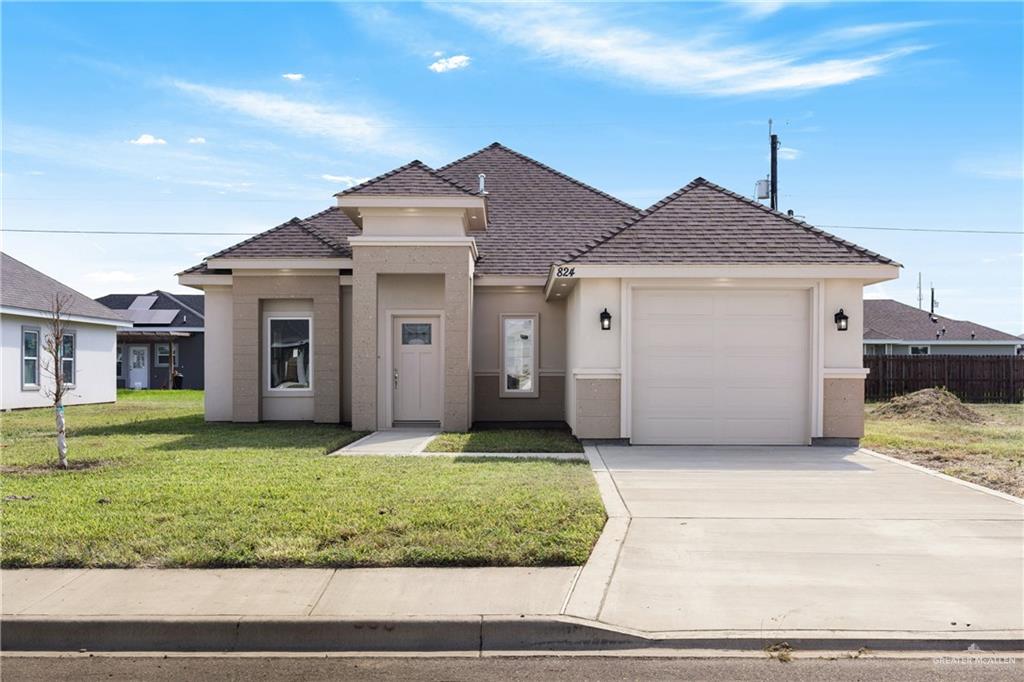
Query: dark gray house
pixel 159 319
pixel 894 328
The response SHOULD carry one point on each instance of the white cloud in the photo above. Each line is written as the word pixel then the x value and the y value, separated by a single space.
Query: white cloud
pixel 789 154
pixel 36 172
pixel 111 277
pixel 758 9
pixel 346 129
pixel 459 61
pixel 996 168
pixel 438 53
pixel 598 39
pixel 293 76
pixel 147 139
pixel 197 140
pixel 870 31
pixel 348 180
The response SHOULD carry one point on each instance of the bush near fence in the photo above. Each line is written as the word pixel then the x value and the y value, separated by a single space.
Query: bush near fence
pixel 972 378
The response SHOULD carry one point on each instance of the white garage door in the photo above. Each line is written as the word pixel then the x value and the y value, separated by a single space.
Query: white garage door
pixel 720 367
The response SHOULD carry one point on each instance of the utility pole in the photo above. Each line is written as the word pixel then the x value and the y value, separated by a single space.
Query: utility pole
pixel 773 140
pixel 935 303
pixel 920 293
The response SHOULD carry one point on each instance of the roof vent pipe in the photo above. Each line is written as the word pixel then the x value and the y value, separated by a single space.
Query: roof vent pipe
pixel 483 180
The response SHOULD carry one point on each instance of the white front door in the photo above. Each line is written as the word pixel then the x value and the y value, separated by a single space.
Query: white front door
pixel 138 366
pixel 416 370
pixel 721 367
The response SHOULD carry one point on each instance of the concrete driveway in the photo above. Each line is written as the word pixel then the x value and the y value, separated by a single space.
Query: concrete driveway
pixel 805 539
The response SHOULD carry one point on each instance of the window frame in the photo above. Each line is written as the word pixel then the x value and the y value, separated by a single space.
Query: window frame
pixel 503 391
pixel 288 391
pixel 74 357
pixel 31 385
pixel 156 355
pixel 927 350
pixel 119 360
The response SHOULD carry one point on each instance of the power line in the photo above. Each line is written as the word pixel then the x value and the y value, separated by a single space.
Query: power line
pixel 237 234
pixel 921 229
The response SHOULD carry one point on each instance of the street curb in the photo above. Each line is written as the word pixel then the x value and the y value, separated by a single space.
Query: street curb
pixel 425 634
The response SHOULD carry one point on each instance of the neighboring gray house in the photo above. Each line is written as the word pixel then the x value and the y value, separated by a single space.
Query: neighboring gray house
pixel 158 319
pixel 894 328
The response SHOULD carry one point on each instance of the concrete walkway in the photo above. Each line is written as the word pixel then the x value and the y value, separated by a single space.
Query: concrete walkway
pixel 391 442
pixel 798 540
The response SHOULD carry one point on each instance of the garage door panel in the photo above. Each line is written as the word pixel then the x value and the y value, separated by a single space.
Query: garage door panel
pixel 720 367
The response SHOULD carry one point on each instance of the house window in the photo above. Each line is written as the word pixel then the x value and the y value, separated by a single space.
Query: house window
pixel 289 353
pixel 519 356
pixel 67 358
pixel 120 361
pixel 29 358
pixel 920 350
pixel 162 358
pixel 416 333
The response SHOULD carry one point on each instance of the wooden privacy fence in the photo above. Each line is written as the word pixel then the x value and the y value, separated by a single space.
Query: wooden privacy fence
pixel 973 378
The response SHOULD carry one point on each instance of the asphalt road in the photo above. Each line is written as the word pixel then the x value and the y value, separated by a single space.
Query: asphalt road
pixel 260 669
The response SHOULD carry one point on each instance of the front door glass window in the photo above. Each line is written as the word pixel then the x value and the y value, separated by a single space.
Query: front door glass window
pixel 416 333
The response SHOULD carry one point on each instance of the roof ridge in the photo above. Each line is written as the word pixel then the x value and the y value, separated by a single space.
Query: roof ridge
pixel 800 223
pixel 629 222
pixel 315 232
pixel 535 162
pixel 940 318
pixel 182 303
pixel 223 251
pixel 415 163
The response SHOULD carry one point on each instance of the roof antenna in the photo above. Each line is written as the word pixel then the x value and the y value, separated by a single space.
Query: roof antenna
pixel 773 140
pixel 483 180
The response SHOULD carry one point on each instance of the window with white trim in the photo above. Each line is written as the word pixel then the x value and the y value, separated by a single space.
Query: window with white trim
pixel 920 350
pixel 289 353
pixel 29 357
pixel 68 346
pixel 162 355
pixel 120 361
pixel 519 356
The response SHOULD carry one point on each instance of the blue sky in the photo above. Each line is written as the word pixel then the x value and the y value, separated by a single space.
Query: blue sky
pixel 236 117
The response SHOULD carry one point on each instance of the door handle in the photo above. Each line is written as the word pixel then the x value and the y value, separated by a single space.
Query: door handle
pixel 395 372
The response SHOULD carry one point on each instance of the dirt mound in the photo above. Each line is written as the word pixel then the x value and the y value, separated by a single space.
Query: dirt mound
pixel 931 404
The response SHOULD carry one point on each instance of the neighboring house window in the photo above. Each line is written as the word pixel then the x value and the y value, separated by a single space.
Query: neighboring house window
pixel 120 361
pixel 67 358
pixel 920 350
pixel 519 356
pixel 289 353
pixel 161 355
pixel 29 358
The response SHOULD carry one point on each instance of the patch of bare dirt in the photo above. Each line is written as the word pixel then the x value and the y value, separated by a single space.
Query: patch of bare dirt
pixel 51 467
pixel 930 404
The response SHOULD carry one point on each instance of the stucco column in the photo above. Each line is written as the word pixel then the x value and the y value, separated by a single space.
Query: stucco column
pixel 457 311
pixel 245 371
pixel 364 344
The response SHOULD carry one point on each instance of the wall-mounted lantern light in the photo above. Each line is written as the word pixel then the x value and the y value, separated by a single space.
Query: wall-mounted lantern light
pixel 606 320
pixel 842 321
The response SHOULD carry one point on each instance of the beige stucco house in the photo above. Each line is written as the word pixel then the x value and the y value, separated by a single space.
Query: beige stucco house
pixel 496 289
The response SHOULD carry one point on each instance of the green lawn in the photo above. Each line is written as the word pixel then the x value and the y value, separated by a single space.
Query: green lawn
pixel 161 488
pixel 990 453
pixel 507 440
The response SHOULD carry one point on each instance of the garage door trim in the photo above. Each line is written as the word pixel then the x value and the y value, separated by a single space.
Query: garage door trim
pixel 815 342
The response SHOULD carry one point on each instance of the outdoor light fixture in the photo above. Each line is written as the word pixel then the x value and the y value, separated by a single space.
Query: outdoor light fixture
pixel 606 320
pixel 842 321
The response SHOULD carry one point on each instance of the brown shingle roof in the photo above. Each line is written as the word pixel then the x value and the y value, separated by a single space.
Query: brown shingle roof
pixel 322 235
pixel 25 287
pixel 413 178
pixel 706 223
pixel 538 216
pixel 535 214
pixel 900 321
